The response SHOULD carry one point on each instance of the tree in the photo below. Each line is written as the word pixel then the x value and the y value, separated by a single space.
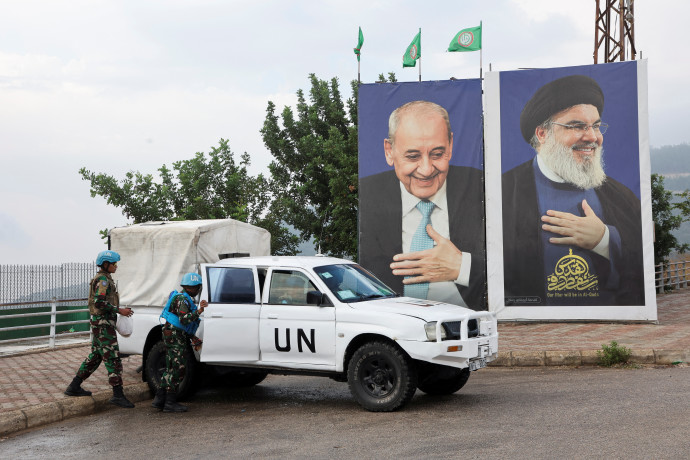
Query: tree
pixel 213 187
pixel 315 166
pixel 668 215
pixel 391 78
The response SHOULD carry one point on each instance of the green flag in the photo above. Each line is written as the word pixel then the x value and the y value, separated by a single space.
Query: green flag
pixel 359 43
pixel 467 40
pixel 414 51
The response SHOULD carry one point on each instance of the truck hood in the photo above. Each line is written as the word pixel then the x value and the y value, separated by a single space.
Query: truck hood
pixel 426 310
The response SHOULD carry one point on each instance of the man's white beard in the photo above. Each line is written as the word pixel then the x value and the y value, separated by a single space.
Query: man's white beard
pixel 561 159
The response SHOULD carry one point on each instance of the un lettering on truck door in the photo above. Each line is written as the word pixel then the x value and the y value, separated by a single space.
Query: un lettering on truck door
pixel 292 331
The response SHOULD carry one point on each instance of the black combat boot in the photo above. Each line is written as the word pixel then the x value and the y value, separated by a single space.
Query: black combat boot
pixel 75 389
pixel 171 404
pixel 159 400
pixel 119 398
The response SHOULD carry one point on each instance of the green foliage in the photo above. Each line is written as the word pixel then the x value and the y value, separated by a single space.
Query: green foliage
pixel 668 214
pixel 391 78
pixel 613 354
pixel 314 171
pixel 204 187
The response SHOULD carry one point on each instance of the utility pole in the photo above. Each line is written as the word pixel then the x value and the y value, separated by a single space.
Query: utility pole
pixel 614 31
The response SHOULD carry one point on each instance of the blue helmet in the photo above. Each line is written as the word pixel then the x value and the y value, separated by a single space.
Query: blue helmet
pixel 191 279
pixel 107 256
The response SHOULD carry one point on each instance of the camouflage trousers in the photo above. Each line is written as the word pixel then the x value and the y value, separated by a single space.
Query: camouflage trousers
pixel 175 364
pixel 103 348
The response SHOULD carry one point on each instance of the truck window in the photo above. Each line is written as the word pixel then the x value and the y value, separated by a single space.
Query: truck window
pixel 289 288
pixel 231 285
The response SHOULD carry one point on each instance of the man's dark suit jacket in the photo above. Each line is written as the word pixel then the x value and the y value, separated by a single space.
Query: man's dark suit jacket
pixel 380 227
pixel 523 254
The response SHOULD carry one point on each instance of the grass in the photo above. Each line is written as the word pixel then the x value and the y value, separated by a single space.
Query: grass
pixel 613 354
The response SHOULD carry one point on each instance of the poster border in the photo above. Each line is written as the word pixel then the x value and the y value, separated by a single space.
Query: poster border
pixel 494 227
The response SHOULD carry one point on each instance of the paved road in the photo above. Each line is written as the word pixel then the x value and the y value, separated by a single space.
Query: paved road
pixel 501 413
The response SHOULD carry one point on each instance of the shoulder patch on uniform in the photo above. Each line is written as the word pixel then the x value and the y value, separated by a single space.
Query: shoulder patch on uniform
pixel 104 283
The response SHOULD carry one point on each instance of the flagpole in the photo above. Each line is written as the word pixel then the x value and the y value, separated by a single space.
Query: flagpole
pixel 481 49
pixel 420 56
pixel 480 62
pixel 358 52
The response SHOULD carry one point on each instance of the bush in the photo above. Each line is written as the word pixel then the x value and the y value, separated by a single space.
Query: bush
pixel 613 354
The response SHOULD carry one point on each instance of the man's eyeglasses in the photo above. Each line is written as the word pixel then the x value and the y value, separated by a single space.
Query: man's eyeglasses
pixel 584 127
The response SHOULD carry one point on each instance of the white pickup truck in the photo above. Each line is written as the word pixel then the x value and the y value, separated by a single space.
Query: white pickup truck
pixel 323 316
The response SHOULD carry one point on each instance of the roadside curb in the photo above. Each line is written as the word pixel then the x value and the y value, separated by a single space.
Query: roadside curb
pixel 42 414
pixel 575 358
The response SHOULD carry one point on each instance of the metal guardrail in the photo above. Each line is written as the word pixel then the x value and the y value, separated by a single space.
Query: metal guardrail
pixel 53 320
pixel 672 275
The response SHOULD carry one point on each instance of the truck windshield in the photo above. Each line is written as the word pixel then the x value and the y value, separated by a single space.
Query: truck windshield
pixel 352 283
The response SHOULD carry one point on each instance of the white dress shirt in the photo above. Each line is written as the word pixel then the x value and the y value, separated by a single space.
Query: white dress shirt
pixel 444 291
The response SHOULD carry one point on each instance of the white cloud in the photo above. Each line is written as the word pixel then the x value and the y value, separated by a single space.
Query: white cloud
pixel 542 11
pixel 12 233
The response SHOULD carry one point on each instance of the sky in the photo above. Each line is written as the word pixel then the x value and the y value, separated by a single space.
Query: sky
pixel 129 85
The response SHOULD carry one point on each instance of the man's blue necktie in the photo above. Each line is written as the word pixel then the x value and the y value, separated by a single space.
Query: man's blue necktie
pixel 420 241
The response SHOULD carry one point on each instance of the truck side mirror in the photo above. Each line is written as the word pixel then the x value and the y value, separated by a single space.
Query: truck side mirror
pixel 314 298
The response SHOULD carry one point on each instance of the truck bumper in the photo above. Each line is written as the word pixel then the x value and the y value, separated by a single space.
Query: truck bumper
pixel 454 353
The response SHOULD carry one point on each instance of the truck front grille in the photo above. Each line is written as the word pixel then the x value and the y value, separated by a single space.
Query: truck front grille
pixel 452 329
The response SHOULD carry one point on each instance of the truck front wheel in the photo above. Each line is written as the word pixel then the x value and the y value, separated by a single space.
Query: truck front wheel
pixel 381 377
pixel 155 365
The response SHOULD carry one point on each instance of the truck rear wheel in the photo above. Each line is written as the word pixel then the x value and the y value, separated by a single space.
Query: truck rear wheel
pixel 155 365
pixel 444 382
pixel 381 377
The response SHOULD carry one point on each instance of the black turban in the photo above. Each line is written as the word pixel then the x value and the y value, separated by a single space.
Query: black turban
pixel 556 96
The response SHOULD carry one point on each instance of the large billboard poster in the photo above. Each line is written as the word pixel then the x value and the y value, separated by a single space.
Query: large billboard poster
pixel 569 224
pixel 421 190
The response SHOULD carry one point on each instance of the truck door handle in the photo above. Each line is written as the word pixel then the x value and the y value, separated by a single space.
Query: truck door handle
pixel 216 315
pixel 272 316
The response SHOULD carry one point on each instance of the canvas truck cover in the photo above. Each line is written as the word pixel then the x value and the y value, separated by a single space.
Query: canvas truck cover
pixel 155 255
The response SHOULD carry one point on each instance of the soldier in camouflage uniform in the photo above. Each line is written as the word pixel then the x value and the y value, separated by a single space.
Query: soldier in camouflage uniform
pixel 181 321
pixel 104 306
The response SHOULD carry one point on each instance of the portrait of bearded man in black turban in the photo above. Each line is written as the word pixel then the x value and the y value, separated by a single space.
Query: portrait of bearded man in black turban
pixel 571 233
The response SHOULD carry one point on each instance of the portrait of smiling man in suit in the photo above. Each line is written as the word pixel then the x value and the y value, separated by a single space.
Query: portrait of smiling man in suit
pixel 422 219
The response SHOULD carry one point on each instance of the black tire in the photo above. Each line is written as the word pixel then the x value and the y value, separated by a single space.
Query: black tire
pixel 381 377
pixel 444 381
pixel 155 365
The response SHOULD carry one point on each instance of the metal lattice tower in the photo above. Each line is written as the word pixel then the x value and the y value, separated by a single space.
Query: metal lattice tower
pixel 614 31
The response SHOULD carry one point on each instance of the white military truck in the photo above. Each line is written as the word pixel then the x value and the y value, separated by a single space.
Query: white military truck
pixel 321 316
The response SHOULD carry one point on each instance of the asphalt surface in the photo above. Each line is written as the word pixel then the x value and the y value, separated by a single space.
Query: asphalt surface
pixel 529 413
pixel 32 382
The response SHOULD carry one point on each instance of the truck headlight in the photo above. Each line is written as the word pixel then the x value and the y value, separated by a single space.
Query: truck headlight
pixel 430 329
